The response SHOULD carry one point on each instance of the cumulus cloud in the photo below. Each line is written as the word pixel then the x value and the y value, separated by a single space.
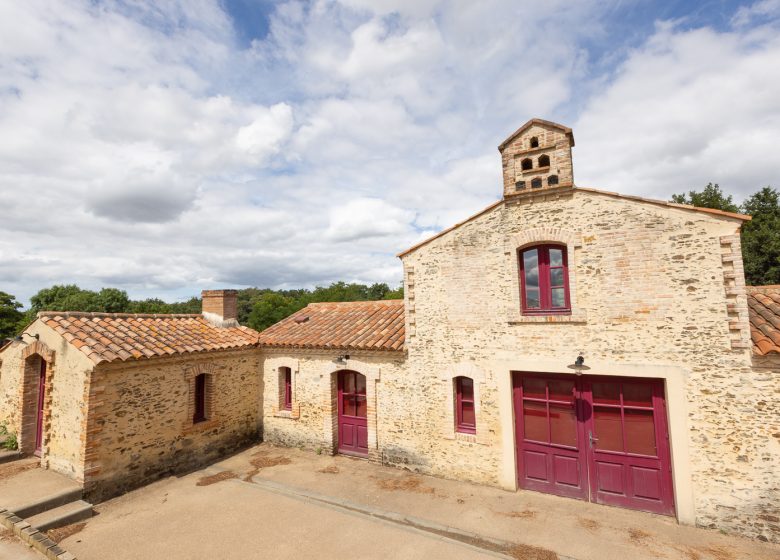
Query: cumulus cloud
pixel 146 147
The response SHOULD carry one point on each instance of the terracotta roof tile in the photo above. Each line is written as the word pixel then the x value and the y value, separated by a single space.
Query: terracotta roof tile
pixel 764 310
pixel 108 337
pixel 354 325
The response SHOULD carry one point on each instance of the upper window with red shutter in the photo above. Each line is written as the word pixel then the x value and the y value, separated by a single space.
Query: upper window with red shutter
pixel 465 413
pixel 544 280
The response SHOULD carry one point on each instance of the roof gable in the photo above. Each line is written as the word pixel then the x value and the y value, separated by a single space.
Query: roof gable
pixel 541 122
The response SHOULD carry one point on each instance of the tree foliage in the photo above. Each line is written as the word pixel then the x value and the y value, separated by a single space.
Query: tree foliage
pixel 10 315
pixel 710 197
pixel 258 308
pixel 760 236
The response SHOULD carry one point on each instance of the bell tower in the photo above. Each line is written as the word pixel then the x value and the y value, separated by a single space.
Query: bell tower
pixel 536 157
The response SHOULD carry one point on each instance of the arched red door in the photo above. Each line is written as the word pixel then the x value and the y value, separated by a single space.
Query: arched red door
pixel 352 408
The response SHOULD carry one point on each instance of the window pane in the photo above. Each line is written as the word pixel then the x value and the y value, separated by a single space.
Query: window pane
pixel 360 384
pixel 535 421
pixel 558 297
pixel 466 388
pixel 556 277
pixel 556 257
pixel 361 407
pixel 606 393
pixel 349 383
pixel 534 388
pixel 635 394
pixel 561 390
pixel 350 406
pixel 531 297
pixel 531 268
pixel 608 428
pixel 563 425
pixel 640 432
pixel 467 414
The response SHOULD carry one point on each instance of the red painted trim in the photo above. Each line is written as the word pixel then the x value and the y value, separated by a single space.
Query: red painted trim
pixel 545 286
pixel 287 388
pixel 460 424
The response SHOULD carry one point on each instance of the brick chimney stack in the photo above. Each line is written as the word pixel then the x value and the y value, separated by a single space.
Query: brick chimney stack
pixel 220 307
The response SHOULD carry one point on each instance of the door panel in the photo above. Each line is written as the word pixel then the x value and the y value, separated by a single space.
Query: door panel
pixel 352 412
pixel 598 439
pixel 550 455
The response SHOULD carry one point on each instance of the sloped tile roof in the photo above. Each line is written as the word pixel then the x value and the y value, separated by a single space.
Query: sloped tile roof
pixel 354 325
pixel 108 337
pixel 764 309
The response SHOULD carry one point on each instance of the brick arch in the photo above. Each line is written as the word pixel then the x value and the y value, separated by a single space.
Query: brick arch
pixel 540 235
pixel 28 394
pixel 40 348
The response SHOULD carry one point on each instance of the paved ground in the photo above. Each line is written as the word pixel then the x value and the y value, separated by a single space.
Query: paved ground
pixel 11 548
pixel 230 518
pixel 22 482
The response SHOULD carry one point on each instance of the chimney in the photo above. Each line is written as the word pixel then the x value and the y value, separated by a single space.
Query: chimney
pixel 220 307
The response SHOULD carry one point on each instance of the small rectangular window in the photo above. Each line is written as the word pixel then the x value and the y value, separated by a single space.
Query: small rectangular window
pixel 465 413
pixel 287 388
pixel 200 399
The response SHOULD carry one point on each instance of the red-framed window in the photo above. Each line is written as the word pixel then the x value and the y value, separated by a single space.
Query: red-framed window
pixel 287 387
pixel 544 280
pixel 465 415
pixel 200 399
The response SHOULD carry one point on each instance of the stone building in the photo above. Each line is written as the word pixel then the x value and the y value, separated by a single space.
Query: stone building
pixel 565 340
pixel 116 400
pixel 674 410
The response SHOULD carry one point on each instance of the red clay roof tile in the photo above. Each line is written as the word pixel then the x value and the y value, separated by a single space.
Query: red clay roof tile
pixel 764 310
pixel 353 325
pixel 108 337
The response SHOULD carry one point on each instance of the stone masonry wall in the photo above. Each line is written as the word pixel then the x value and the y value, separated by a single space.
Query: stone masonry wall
pixel 648 291
pixel 64 403
pixel 141 418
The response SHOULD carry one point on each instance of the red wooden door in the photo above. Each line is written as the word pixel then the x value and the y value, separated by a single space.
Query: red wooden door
pixel 39 412
pixel 353 426
pixel 628 444
pixel 550 453
pixel 598 439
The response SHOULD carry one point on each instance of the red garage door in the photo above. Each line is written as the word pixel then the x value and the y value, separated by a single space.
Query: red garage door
pixel 602 439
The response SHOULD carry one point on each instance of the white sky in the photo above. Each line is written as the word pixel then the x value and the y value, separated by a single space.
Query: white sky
pixel 153 147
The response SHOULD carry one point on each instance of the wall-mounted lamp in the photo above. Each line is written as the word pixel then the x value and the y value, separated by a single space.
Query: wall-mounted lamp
pixel 20 339
pixel 579 364
pixel 341 359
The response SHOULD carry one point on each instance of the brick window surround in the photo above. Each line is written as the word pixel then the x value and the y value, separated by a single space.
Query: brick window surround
pixel 513 248
pixel 285 388
pixel 450 418
pixel 552 278
pixel 201 383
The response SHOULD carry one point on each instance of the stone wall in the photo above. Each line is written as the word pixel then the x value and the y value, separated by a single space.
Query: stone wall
pixel 650 297
pixel 64 402
pixel 141 418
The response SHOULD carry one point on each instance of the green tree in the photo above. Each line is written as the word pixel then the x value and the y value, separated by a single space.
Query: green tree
pixel 710 197
pixel 10 315
pixel 761 238
pixel 271 308
pixel 112 300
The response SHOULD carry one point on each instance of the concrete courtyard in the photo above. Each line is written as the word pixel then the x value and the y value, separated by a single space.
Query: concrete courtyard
pixel 270 502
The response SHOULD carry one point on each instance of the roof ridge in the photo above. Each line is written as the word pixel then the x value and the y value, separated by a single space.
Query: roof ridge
pixel 98 314
pixel 366 301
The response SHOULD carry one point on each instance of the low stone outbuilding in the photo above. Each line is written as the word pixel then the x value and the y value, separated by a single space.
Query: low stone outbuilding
pixel 117 400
